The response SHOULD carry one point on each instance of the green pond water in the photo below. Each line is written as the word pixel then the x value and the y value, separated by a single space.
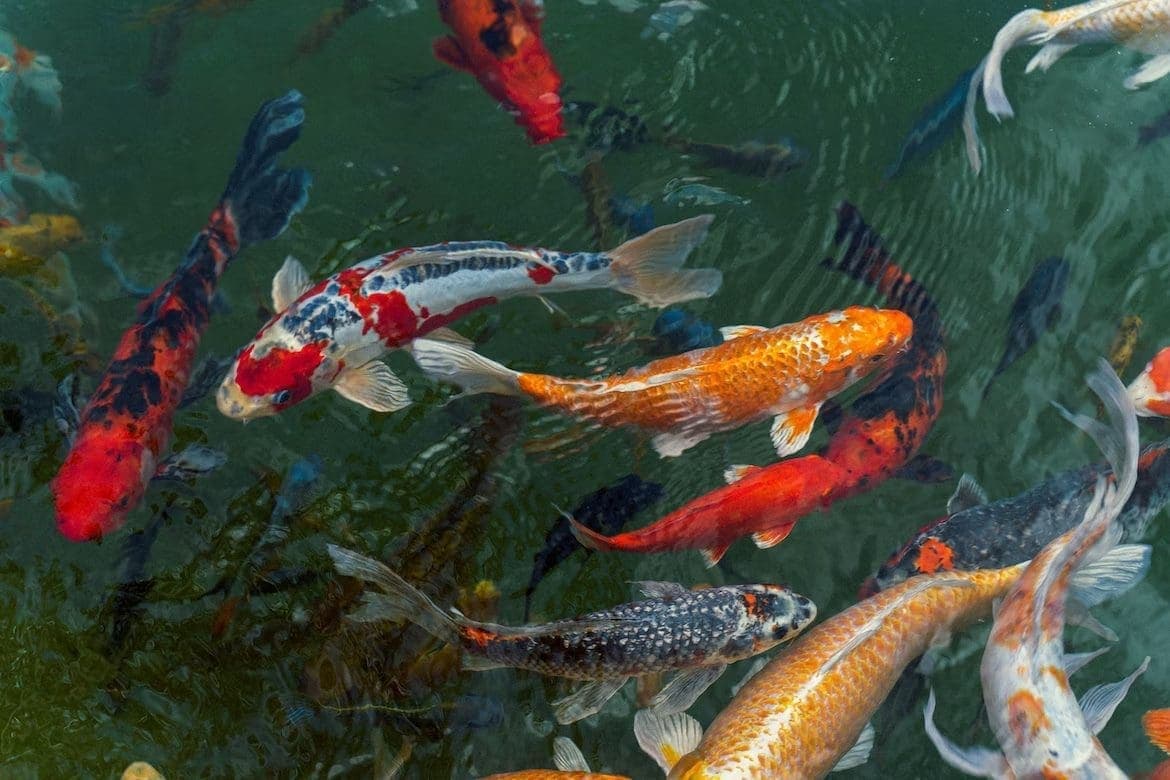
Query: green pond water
pixel 406 152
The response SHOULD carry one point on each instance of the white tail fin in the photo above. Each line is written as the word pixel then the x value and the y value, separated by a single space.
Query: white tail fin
pixel 648 267
pixel 1030 26
pixel 970 123
pixel 400 600
pixel 460 366
pixel 666 738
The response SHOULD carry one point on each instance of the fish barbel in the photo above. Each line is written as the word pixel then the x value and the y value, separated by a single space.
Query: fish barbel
pixel 787 371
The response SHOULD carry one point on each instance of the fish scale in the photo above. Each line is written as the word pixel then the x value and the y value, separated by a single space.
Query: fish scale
pixel 739 381
pixel 1126 21
pixel 775 725
pixel 651 635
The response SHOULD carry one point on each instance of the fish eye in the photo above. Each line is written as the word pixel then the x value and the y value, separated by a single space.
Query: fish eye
pixel 281 397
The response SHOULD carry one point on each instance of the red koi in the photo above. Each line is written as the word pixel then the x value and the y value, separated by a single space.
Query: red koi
pixel 498 42
pixel 127 423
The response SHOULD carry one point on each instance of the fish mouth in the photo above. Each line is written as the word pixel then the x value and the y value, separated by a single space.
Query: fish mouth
pixel 237 405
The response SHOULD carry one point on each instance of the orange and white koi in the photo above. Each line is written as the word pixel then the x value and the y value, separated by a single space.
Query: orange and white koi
pixel 1143 25
pixel 787 372
pixel 329 335
pixel 1157 727
pixel 1150 391
pixel 1041 728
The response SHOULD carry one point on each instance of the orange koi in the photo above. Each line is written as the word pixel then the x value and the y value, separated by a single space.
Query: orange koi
pixel 757 502
pixel 498 42
pixel 570 765
pixel 788 372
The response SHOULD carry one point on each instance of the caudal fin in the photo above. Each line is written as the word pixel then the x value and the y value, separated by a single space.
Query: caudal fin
pixel 458 365
pixel 399 601
pixel 648 267
pixel 260 196
pixel 1026 27
pixel 1157 726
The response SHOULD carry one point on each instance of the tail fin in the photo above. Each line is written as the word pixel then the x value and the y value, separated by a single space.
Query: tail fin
pixel 458 365
pixel 400 600
pixel 590 539
pixel 970 123
pixel 1026 27
pixel 666 738
pixel 647 267
pixel 260 196
pixel 866 259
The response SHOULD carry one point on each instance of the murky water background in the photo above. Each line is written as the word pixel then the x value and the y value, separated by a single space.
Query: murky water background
pixel 397 141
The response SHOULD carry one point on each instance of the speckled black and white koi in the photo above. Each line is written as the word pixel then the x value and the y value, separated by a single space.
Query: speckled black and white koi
pixel 331 334
pixel 695 633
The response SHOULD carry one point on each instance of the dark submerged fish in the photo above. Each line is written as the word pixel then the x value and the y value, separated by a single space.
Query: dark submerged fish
pixel 1159 128
pixel 1035 311
pixel 165 36
pixel 696 633
pixel 678 330
pixel 606 511
pixel 751 158
pixel 936 122
pixel 315 38
pixel 608 128
pixel 975 534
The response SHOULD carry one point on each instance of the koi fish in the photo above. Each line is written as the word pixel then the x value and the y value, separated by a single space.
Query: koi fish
pixel 1157 727
pixel 1041 728
pixel 498 42
pixel 934 124
pixel 750 158
pixel 1035 310
pixel 757 502
pixel 570 764
pixel 608 127
pixel 788 371
pixel 678 330
pixel 127 422
pixel 1150 391
pixel 695 633
pixel 1141 24
pixel 1124 344
pixel 605 510
pixel 42 234
pixel 977 534
pixel 329 335
pixel 879 435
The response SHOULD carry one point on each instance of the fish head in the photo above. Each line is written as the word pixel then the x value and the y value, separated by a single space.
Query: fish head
pixel 771 614
pixel 275 372
pixel 1151 390
pixel 860 341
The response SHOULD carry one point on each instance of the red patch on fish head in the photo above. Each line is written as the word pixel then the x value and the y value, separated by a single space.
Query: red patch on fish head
pixel 1159 371
pixel 24 56
pixel 479 636
pixel 99 481
pixel 934 555
pixel 541 274
pixel 279 370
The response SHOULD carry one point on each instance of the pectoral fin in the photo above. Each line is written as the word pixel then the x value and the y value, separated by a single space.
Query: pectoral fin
pixel 790 431
pixel 451 337
pixel 733 474
pixel 859 753
pixel 1099 702
pixel 655 589
pixel 586 700
pixel 290 283
pixel 671 445
pixel 686 687
pixel 1151 70
pixel 711 555
pixel 772 536
pixel 567 757
pixel 374 386
pixel 447 50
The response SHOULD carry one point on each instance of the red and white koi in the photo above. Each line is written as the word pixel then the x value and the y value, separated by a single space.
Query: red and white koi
pixel 1041 728
pixel 329 335
pixel 1150 391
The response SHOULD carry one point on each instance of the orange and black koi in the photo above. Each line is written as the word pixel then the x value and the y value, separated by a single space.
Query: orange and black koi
pixel 883 429
pixel 127 423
